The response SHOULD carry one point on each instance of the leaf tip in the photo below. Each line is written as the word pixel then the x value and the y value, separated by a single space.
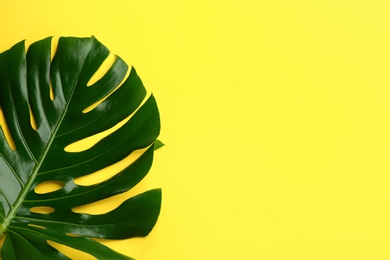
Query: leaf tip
pixel 158 144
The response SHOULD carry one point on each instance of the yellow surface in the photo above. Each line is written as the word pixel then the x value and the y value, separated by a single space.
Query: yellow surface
pixel 275 115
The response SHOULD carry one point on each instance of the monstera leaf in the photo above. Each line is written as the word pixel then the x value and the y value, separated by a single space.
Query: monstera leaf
pixel 48 103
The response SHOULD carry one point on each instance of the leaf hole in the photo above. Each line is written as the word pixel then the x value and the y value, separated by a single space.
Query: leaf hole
pixel 71 252
pixel 27 44
pixel 53 51
pixel 72 235
pixel 103 206
pixel 42 210
pixel 7 133
pixel 36 226
pixel 54 45
pixel 109 204
pixel 49 186
pixel 88 142
pixel 33 122
pixel 51 92
pixel 109 171
pixel 104 67
pixel 93 106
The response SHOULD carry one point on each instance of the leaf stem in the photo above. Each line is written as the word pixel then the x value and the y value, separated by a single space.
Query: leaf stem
pixel 3 227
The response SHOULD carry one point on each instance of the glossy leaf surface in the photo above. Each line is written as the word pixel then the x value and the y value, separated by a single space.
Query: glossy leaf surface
pixel 48 103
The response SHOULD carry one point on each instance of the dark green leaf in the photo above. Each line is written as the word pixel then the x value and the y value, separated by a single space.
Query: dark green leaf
pixel 158 144
pixel 46 105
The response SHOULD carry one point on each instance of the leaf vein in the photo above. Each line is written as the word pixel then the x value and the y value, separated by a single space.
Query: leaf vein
pixel 70 223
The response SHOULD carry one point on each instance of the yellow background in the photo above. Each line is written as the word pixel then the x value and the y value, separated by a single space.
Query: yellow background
pixel 275 116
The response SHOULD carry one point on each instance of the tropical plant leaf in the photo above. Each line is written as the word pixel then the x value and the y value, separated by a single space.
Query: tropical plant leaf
pixel 49 103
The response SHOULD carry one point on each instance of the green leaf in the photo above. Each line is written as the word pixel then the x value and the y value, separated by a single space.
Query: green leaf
pixel 49 104
pixel 158 144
